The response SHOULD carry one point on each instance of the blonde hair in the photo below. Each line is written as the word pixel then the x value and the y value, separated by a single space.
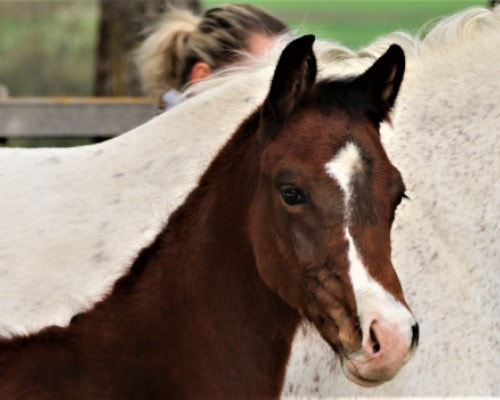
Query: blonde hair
pixel 180 39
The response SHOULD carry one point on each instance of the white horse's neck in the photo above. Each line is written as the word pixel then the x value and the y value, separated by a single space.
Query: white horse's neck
pixel 74 219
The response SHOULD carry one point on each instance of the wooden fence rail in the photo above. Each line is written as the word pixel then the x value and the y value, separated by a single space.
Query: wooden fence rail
pixel 55 117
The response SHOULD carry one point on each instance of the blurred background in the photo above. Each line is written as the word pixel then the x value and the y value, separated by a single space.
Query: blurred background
pixel 83 47
pixel 51 47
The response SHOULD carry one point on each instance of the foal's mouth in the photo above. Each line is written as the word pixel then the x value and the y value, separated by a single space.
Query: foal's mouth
pixel 352 373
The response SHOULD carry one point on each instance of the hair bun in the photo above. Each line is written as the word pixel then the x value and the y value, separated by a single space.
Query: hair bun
pixel 159 56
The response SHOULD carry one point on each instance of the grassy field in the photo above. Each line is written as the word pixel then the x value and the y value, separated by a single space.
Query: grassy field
pixel 358 22
pixel 48 47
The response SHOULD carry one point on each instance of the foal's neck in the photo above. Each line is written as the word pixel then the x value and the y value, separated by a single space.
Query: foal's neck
pixel 192 316
pixel 228 317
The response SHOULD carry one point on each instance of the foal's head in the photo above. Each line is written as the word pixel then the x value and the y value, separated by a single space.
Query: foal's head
pixel 321 218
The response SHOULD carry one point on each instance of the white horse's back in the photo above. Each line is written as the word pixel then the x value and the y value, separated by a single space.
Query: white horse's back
pixel 73 220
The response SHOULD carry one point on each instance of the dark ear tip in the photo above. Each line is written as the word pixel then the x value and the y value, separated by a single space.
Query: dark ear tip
pixel 306 40
pixel 396 51
pixel 299 47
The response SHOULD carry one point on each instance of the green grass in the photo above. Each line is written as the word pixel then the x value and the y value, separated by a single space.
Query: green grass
pixel 357 23
pixel 49 54
pixel 47 51
pixel 52 52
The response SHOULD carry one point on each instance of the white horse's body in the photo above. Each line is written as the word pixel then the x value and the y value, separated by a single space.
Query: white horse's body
pixel 72 220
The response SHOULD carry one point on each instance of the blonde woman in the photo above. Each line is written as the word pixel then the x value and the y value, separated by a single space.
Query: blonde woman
pixel 184 47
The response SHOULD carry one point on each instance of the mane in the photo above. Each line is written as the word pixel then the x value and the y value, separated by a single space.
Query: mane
pixel 454 31
pixel 447 34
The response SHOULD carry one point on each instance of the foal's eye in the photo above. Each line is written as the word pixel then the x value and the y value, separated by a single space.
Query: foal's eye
pixel 293 195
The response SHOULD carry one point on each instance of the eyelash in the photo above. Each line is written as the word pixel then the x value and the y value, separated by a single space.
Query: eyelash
pixel 400 199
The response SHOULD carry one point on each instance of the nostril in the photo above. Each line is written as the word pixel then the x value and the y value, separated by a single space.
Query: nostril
pixel 375 343
pixel 415 336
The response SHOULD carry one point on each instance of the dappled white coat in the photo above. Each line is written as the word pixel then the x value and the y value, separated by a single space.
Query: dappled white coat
pixel 446 143
pixel 72 220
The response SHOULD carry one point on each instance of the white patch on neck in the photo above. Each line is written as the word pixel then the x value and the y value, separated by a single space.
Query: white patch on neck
pixel 372 300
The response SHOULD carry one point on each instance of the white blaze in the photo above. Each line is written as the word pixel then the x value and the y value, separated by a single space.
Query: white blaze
pixel 343 166
pixel 372 300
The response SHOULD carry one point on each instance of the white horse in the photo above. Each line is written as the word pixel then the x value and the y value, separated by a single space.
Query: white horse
pixel 74 219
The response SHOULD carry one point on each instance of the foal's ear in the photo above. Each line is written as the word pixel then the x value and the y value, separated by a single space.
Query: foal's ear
pixel 383 79
pixel 294 74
